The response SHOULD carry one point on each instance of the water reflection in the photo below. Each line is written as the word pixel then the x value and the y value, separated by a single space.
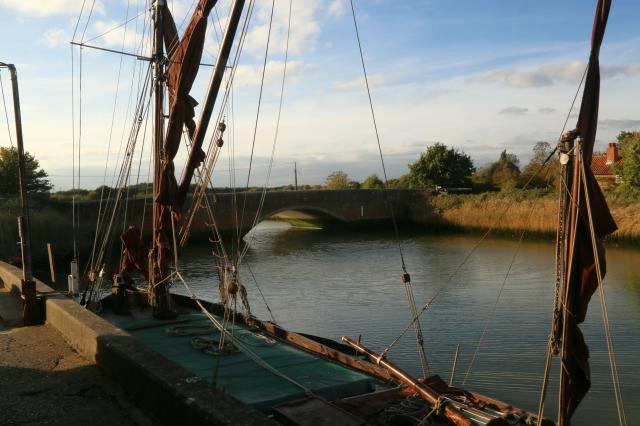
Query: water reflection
pixel 348 283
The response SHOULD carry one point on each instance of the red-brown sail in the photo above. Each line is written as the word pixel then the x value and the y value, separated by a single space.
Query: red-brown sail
pixel 581 278
pixel 184 61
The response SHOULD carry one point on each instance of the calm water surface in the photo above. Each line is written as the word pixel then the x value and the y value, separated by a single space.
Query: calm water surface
pixel 348 283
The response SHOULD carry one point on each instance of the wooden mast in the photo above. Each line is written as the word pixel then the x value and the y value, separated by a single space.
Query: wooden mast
pixel 158 289
pixel 212 94
pixel 570 212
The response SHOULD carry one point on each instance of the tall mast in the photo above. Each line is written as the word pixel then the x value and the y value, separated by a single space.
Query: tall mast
pixel 212 94
pixel 158 294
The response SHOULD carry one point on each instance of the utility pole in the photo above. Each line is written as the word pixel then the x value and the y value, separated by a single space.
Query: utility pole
pixel 295 174
pixel 30 313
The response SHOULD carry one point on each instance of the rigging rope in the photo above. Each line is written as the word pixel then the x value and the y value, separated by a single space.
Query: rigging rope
pixel 603 303
pixel 124 24
pixel 273 146
pixel 495 305
pixel 6 114
pixel 554 334
pixel 212 156
pixel 406 279
pixel 110 137
pixel 562 187
pixel 86 25
pixel 238 342
pixel 73 137
pixel 497 221
pixel 255 127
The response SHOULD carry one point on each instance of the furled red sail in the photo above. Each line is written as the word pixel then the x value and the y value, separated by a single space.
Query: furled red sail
pixel 582 280
pixel 184 60
pixel 184 57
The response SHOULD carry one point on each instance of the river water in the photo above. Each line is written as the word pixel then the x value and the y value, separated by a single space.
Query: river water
pixel 333 283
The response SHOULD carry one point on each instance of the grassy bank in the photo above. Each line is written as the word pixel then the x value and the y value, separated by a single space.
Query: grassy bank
pixel 50 223
pixel 534 212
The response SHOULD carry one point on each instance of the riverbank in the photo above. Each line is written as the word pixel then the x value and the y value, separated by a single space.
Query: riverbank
pixel 512 213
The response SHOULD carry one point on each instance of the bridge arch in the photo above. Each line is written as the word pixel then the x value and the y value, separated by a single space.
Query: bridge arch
pixel 301 215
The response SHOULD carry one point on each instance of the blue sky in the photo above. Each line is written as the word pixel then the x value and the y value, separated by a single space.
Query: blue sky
pixel 480 76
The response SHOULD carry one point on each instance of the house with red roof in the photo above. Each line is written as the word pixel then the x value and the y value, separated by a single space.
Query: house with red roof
pixel 606 166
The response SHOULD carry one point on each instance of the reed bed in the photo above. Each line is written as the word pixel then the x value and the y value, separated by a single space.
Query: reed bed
pixel 510 213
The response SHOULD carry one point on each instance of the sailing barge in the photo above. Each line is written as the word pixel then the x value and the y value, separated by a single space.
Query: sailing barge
pixel 297 378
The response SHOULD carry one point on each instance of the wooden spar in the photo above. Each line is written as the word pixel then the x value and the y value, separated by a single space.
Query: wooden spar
pixel 212 94
pixel 430 395
pixel 158 286
pixel 572 213
pixel 309 345
pixel 52 267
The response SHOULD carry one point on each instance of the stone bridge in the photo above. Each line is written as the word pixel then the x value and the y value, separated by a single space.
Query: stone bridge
pixel 314 208
pixel 319 207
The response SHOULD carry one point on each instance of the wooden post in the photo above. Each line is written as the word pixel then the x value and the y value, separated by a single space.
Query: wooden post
pixel 31 314
pixel 52 268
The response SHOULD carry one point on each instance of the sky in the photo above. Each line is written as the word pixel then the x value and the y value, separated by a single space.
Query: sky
pixel 478 76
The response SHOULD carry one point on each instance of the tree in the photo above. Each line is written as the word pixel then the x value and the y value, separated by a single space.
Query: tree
pixel 35 178
pixel 502 174
pixel 403 182
pixel 631 165
pixel 372 182
pixel 537 173
pixel 442 166
pixel 624 138
pixel 337 180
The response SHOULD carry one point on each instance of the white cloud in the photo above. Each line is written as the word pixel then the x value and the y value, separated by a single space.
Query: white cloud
pixel 336 8
pixel 111 34
pixel 620 124
pixel 54 37
pixel 304 27
pixel 568 72
pixel 248 75
pixel 49 7
pixel 546 110
pixel 514 110
pixel 375 80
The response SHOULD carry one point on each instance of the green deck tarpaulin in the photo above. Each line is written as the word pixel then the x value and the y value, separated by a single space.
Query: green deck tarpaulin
pixel 241 377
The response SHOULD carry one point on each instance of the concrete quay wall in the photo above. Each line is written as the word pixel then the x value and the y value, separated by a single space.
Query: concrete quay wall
pixel 167 392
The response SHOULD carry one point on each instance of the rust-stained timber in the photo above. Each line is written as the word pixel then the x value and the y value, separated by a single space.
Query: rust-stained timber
pixel 433 397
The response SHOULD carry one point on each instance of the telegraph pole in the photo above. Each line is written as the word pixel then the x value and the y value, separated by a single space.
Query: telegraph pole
pixel 295 174
pixel 30 313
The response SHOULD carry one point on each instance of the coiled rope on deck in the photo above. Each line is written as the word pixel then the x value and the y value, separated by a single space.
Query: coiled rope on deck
pixel 242 346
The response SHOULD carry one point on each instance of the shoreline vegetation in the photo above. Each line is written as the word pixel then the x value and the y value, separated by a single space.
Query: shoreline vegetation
pixel 508 214
pixel 500 196
pixel 517 212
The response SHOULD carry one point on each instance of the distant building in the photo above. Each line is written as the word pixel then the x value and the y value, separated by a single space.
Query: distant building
pixel 606 166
